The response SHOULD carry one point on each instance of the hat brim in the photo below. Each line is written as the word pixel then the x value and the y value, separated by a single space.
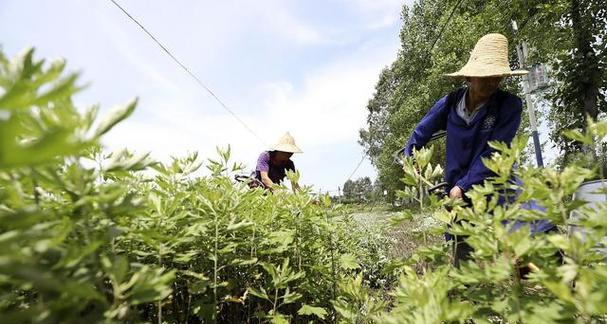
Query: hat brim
pixel 288 148
pixel 486 74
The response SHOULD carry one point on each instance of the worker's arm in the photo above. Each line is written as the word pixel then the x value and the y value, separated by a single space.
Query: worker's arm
pixel 433 121
pixel 265 179
pixel 263 167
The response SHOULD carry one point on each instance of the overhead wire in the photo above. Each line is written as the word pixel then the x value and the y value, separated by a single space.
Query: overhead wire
pixel 216 97
pixel 440 33
pixel 189 72
pixel 356 168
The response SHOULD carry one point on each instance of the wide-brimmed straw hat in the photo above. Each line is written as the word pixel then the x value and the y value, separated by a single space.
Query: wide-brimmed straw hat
pixel 286 144
pixel 489 58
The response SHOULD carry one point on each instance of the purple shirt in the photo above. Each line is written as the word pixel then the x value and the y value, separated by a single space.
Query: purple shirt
pixel 275 172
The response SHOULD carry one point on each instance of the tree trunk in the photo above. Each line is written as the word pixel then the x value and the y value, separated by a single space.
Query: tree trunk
pixel 587 61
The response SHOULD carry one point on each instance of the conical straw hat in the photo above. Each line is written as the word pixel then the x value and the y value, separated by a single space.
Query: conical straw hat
pixel 489 58
pixel 286 144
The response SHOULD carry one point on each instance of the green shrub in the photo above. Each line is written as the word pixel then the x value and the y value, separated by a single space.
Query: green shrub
pixel 90 236
pixel 493 286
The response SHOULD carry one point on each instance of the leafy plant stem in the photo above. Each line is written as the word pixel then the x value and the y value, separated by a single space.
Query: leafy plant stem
pixel 421 208
pixel 517 289
pixel 34 189
pixel 275 303
pixel 253 242
pixel 333 276
pixel 216 256
pixel 160 301
pixel 189 304
pixel 297 240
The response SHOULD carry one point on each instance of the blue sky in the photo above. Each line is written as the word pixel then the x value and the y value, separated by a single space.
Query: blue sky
pixel 308 67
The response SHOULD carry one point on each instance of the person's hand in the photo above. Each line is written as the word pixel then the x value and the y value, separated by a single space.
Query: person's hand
pixel 456 192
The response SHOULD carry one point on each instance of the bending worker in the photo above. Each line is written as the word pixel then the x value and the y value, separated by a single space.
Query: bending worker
pixel 272 165
pixel 473 116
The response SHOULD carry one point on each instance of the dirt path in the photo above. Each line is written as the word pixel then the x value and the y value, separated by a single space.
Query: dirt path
pixel 407 236
pixel 372 217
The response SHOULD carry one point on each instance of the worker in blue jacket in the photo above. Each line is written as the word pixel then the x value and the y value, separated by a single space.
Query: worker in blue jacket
pixel 473 116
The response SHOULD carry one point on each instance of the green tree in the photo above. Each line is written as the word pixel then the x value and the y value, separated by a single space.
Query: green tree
pixel 569 35
pixel 87 236
pixel 359 190
pixel 415 81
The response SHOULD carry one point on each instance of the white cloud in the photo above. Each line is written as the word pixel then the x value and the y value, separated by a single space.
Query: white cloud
pixel 278 19
pixel 328 108
pixel 323 113
pixel 134 58
pixel 379 13
pixel 173 134
pixel 304 66
pixel 323 106
pixel 379 6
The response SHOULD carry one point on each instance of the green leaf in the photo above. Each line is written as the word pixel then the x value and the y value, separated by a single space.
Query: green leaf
pixel 198 287
pixel 120 268
pixel 236 226
pixel 521 241
pixel 207 312
pixel 150 285
pixel 560 290
pixel 272 271
pixel 50 145
pixel 560 241
pixel 19 93
pixel 241 262
pixel 62 89
pixel 578 136
pixel 278 319
pixel 118 114
pixel 348 262
pixel 312 310
pixel 401 218
pixel 259 293
pixel 125 161
pixel 410 178
pixel 290 297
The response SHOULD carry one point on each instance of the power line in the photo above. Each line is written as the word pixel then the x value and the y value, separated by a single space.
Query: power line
pixel 357 166
pixel 185 68
pixel 440 33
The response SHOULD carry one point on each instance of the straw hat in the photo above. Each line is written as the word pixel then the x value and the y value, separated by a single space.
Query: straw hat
pixel 286 144
pixel 489 58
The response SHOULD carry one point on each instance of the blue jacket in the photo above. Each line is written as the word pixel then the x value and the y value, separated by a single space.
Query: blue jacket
pixel 497 120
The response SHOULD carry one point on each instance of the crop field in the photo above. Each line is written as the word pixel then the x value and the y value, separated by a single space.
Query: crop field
pixel 403 238
pixel 89 236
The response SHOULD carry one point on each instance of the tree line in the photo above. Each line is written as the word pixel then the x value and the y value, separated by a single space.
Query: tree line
pixel 568 36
